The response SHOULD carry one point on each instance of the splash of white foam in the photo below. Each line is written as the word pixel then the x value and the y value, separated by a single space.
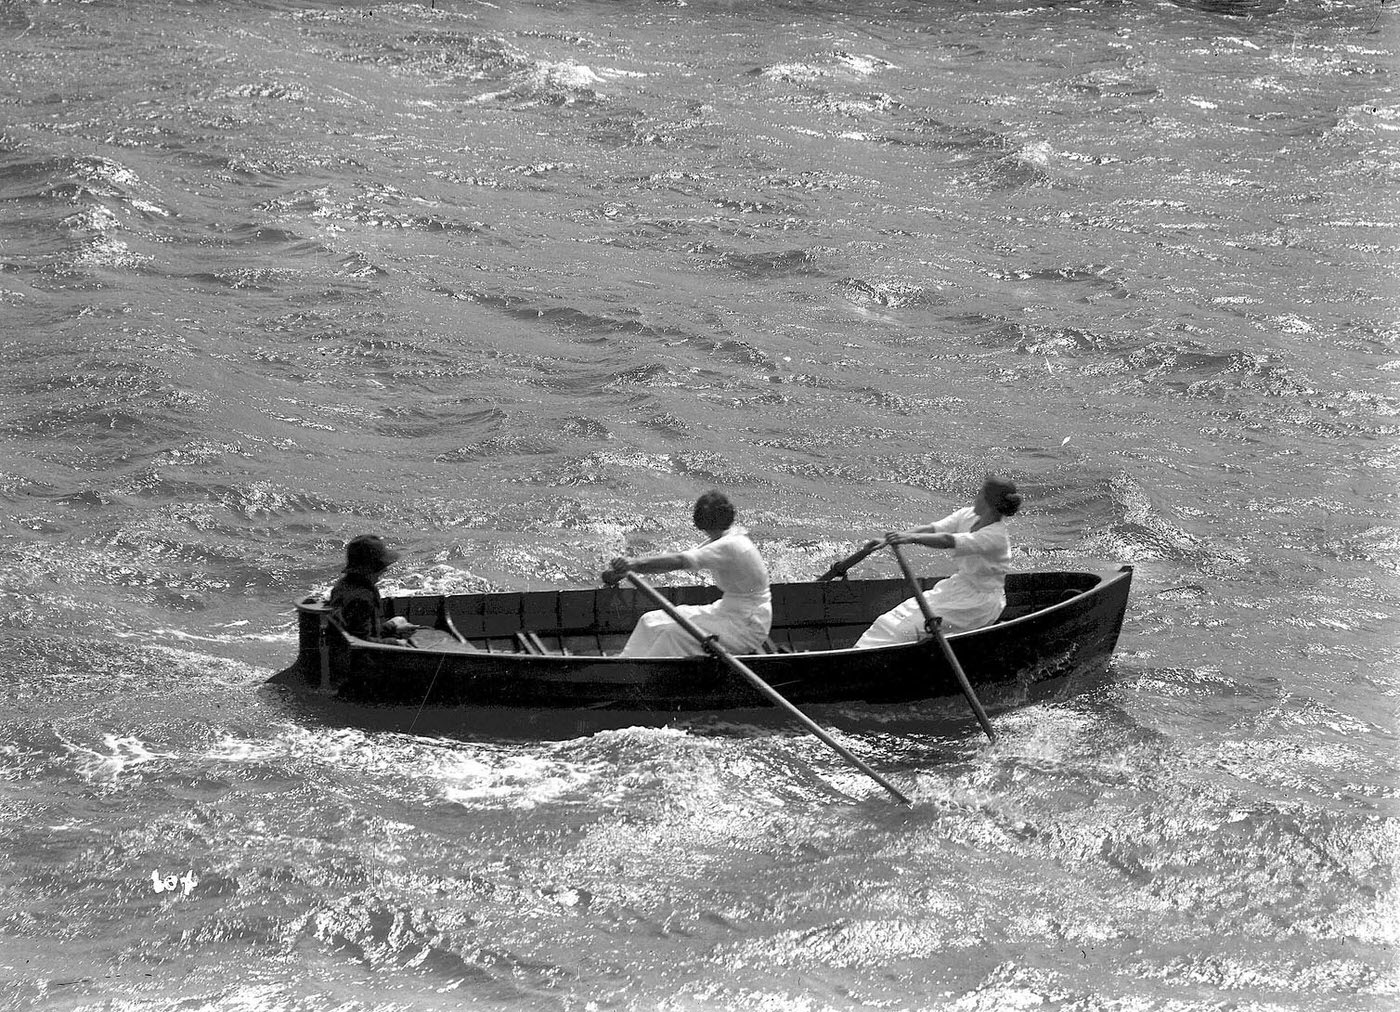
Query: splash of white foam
pixel 124 754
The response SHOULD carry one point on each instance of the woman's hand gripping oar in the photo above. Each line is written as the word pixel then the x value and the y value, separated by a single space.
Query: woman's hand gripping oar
pixel 932 622
pixel 712 646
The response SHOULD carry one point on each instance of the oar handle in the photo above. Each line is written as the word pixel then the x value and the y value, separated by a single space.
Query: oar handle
pixel 934 625
pixel 838 569
pixel 710 643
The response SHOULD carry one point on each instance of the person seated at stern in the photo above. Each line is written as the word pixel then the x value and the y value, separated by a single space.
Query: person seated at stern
pixel 975 595
pixel 741 617
pixel 355 604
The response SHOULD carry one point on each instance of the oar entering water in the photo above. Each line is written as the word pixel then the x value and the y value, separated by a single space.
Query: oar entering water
pixel 712 646
pixel 932 622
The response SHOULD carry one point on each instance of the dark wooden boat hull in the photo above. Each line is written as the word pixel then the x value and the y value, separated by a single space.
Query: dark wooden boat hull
pixel 1056 625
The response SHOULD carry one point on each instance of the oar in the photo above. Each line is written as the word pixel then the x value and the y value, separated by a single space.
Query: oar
pixel 932 622
pixel 839 568
pixel 712 646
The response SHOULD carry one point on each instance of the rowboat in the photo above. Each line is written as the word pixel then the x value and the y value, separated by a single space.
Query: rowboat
pixel 557 650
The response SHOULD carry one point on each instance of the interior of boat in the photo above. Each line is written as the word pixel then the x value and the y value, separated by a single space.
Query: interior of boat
pixel 806 616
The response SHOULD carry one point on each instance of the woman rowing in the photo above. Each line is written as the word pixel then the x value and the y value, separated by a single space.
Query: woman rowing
pixel 975 595
pixel 740 618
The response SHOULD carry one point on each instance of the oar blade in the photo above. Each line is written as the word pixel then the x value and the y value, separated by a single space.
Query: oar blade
pixel 712 646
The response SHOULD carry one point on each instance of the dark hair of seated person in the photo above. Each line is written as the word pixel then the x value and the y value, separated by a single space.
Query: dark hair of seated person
pixel 713 512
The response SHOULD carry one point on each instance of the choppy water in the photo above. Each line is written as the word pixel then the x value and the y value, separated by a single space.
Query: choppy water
pixel 511 283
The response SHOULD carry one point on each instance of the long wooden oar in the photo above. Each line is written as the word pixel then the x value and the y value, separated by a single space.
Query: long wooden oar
pixel 712 646
pixel 840 568
pixel 933 622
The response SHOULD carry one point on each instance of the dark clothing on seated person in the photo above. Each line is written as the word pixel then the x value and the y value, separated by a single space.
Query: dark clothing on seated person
pixel 358 609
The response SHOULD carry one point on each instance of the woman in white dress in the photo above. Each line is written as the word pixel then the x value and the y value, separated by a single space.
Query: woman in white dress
pixel 975 595
pixel 741 618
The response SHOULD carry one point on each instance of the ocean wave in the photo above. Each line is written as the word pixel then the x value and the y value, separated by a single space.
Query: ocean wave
pixel 710 467
pixel 108 253
pixel 1030 165
pixel 98 199
pixel 380 935
pixel 792 73
pixel 501 446
pixel 101 189
pixel 275 90
pixel 1234 8
pixel 1194 371
pixel 553 83
pixel 598 383
pixel 890 293
pixel 1143 532
pixel 553 310
pixel 839 64
pixel 601 468
pixel 375 207
pixel 247 279
pixel 123 754
pixel 262 499
pixel 516 781
pixel 763 264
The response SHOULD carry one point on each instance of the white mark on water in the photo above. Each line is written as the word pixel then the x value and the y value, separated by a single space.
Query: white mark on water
pixel 169 883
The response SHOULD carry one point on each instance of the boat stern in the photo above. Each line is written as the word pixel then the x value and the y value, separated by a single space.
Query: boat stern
pixel 313 658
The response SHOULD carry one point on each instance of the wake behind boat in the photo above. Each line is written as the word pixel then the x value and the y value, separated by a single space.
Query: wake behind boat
pixel 556 650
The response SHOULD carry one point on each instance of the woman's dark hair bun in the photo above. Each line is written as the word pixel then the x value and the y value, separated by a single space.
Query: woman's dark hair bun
pixel 1002 495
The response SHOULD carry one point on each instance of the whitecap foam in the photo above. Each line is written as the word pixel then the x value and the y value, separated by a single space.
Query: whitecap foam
pixel 797 73
pixel 230 749
pixel 93 219
pixel 864 65
pixel 1038 153
pixel 124 753
pixel 108 252
pixel 486 780
pixel 562 83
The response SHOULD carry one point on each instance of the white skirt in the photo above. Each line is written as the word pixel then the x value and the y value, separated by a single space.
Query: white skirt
pixel 960 610
pixel 739 631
